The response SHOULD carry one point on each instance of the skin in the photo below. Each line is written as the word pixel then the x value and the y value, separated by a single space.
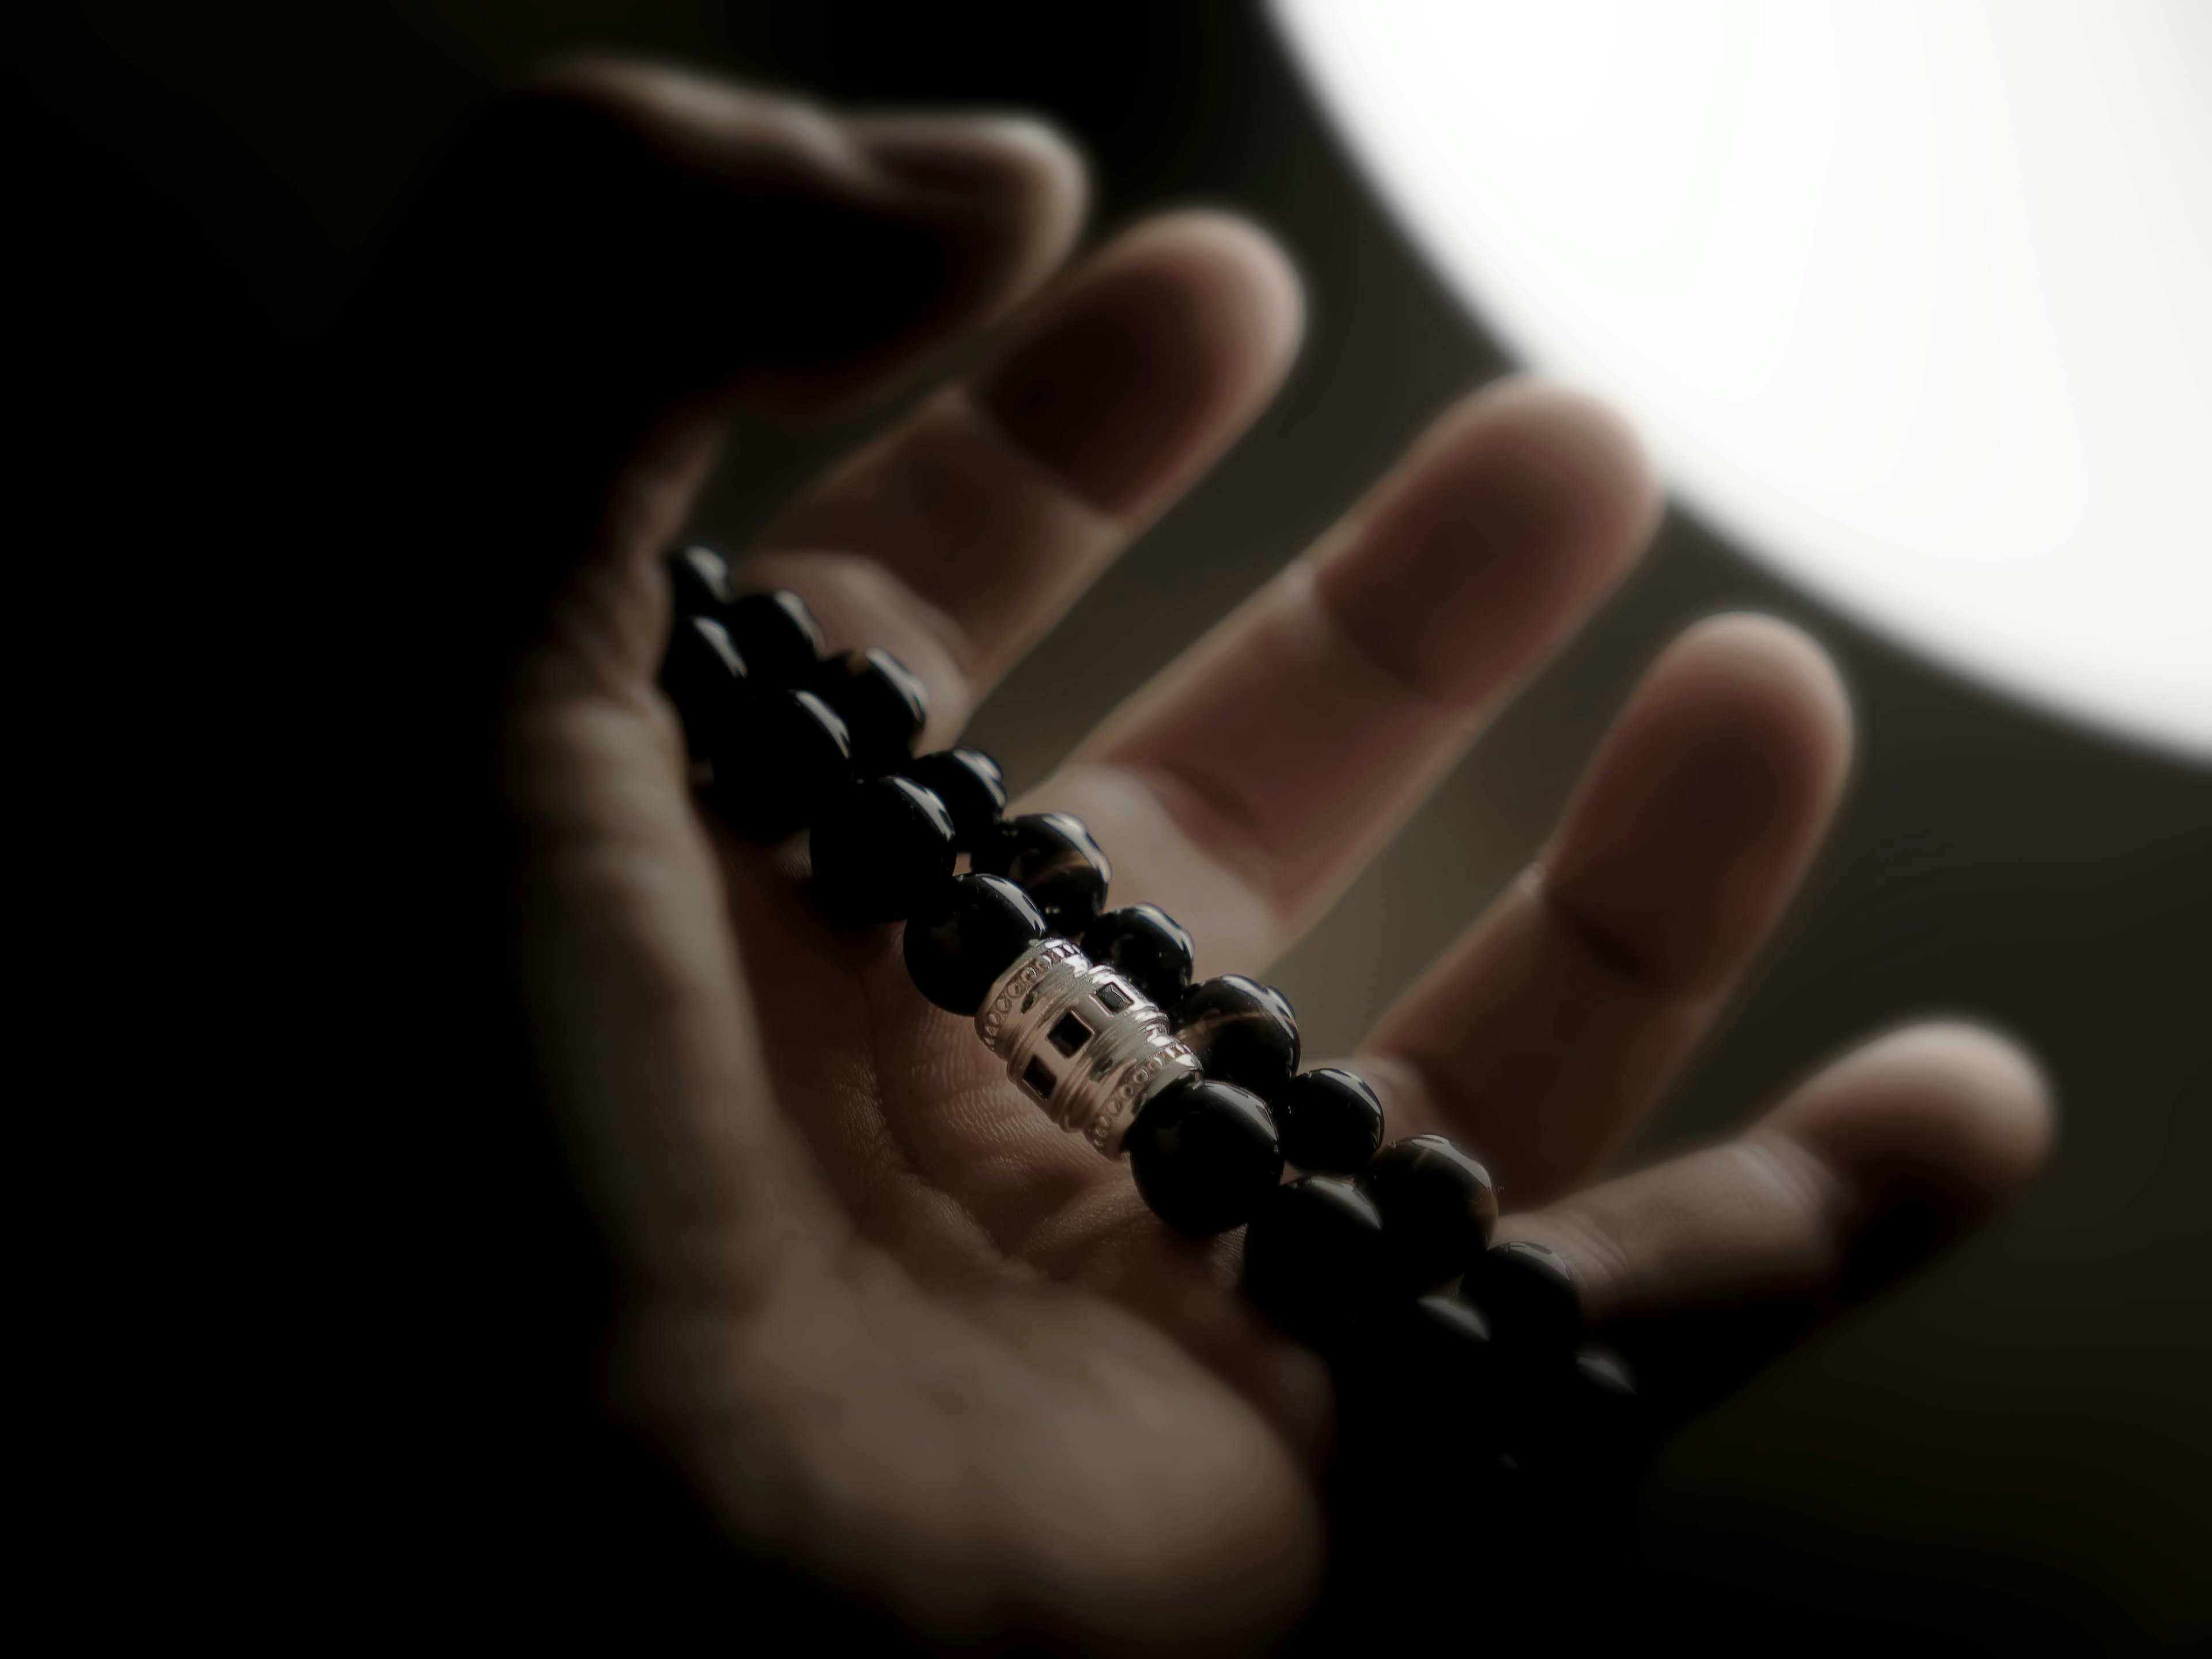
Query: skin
pixel 896 1332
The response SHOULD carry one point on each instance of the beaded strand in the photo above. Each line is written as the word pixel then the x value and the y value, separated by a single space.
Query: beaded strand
pixel 1367 1246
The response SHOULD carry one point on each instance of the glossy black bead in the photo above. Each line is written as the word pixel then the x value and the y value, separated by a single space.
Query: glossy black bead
pixel 1330 1121
pixel 778 637
pixel 1313 1258
pixel 1447 1331
pixel 970 785
pixel 1243 1032
pixel 1603 1374
pixel 1204 1155
pixel 883 702
pixel 1438 1207
pixel 880 848
pixel 701 579
pixel 780 765
pixel 1528 1294
pixel 704 677
pixel 1448 1361
pixel 1610 1425
pixel 1053 858
pixel 966 934
pixel 1422 1394
pixel 1582 1421
pixel 1146 946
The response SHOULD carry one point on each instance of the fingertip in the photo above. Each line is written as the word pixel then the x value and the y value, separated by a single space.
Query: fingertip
pixel 703 124
pixel 1951 1109
pixel 1786 664
pixel 1241 301
pixel 1706 801
pixel 1757 688
pixel 1151 360
pixel 1011 164
pixel 1517 512
pixel 1572 445
pixel 1258 291
pixel 803 256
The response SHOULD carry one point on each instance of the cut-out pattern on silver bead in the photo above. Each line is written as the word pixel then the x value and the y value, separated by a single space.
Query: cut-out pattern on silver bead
pixel 1081 1042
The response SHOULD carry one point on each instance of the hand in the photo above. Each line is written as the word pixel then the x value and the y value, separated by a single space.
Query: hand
pixel 893 1328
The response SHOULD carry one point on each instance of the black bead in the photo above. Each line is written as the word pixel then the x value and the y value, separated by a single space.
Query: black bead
pixel 781 641
pixel 966 935
pixel 701 579
pixel 1243 1031
pixel 1053 858
pixel 1422 1395
pixel 1609 1424
pixel 1147 946
pixel 1330 1122
pixel 1447 1331
pixel 1604 1373
pixel 1313 1258
pixel 1583 1423
pixel 1438 1206
pixel 1529 1296
pixel 780 765
pixel 1447 1362
pixel 883 702
pixel 1204 1155
pixel 970 785
pixel 880 848
pixel 705 677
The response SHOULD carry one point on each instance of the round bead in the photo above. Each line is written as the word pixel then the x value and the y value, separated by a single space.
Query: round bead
pixel 1330 1122
pixel 705 677
pixel 701 579
pixel 779 764
pixel 1528 1294
pixel 1147 946
pixel 970 785
pixel 1422 1397
pixel 1243 1032
pixel 966 934
pixel 1610 1422
pixel 1583 1423
pixel 1313 1258
pixel 1602 1377
pixel 1053 858
pixel 780 638
pixel 880 848
pixel 1451 1332
pixel 883 702
pixel 1446 1356
pixel 1438 1206
pixel 1204 1155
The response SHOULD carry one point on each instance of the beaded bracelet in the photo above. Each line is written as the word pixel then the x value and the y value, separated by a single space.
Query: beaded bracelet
pixel 1095 1017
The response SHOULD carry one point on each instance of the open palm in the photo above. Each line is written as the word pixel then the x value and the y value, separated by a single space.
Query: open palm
pixel 894 1328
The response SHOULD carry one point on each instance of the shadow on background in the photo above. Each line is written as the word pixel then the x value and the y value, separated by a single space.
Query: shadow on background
pixel 2015 1450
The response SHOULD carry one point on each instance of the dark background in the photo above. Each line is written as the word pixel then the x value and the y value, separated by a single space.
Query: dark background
pixel 2015 1450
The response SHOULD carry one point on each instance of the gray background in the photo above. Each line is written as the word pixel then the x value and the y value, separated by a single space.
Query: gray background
pixel 2014 1449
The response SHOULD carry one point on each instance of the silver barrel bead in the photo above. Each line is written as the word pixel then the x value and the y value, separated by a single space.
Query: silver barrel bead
pixel 1081 1042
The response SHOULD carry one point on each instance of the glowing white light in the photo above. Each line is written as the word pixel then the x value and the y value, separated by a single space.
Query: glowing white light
pixel 1912 298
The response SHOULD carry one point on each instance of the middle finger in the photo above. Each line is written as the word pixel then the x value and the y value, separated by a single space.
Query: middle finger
pixel 1248 783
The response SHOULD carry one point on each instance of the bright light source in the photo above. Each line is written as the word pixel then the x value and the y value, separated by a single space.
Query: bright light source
pixel 1912 298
